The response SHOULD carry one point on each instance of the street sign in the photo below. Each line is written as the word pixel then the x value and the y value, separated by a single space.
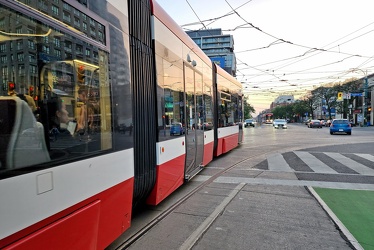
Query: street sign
pixel 356 94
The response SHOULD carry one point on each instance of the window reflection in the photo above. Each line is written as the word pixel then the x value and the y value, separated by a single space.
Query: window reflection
pixel 170 100
pixel 66 94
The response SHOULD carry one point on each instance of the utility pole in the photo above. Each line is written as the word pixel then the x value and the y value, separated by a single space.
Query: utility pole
pixel 364 123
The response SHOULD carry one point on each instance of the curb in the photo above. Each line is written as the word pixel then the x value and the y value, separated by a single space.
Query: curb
pixel 352 240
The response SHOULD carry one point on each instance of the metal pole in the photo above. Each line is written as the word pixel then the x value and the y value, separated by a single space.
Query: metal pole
pixel 365 96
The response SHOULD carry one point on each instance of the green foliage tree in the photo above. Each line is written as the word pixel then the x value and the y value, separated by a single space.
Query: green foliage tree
pixel 311 104
pixel 326 96
pixel 248 108
pixel 279 112
pixel 300 107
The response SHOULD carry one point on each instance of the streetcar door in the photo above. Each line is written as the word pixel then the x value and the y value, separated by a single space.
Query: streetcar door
pixel 194 135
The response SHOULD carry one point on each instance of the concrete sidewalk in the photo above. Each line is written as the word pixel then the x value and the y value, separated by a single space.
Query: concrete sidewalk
pixel 246 216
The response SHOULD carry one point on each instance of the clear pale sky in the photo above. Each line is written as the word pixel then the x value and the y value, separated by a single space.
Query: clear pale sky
pixel 287 46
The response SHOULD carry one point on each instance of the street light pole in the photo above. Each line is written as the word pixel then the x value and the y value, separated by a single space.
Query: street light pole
pixel 365 94
pixel 364 100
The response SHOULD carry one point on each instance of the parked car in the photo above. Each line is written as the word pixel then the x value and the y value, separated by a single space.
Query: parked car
pixel 306 122
pixel 280 123
pixel 249 123
pixel 323 123
pixel 340 126
pixel 177 129
pixel 315 124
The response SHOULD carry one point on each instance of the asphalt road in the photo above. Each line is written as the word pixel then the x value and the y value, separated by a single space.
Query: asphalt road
pixel 261 200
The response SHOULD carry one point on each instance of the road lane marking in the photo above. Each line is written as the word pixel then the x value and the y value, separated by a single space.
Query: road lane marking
pixel 276 162
pixel 358 167
pixel 366 156
pixel 315 164
pixel 323 184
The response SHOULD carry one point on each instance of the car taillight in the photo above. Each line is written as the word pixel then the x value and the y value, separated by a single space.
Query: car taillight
pixel 349 125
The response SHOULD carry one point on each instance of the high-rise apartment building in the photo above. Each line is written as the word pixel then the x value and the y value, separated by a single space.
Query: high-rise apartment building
pixel 217 46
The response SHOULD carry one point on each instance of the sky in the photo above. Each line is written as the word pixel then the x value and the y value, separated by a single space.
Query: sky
pixel 287 47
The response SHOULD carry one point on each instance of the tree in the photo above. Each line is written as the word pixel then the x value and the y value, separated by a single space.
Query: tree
pixel 248 108
pixel 279 112
pixel 300 107
pixel 311 104
pixel 326 96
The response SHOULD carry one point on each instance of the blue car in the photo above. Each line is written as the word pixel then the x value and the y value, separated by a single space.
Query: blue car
pixel 340 126
pixel 177 129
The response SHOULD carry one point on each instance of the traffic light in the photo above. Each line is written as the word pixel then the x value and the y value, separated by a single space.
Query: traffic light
pixel 31 90
pixel 340 95
pixel 11 86
pixel 81 75
pixel 369 109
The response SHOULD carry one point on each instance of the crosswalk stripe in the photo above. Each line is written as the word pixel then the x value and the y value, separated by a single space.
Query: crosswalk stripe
pixel 356 166
pixel 276 162
pixel 366 156
pixel 315 164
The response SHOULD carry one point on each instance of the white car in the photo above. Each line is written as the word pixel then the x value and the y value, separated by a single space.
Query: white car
pixel 280 123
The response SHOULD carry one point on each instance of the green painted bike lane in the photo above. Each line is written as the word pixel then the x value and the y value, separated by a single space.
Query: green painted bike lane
pixel 355 209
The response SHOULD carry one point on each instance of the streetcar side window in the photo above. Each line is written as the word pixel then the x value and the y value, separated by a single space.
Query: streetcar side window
pixel 170 100
pixel 208 122
pixel 61 82
pixel 228 103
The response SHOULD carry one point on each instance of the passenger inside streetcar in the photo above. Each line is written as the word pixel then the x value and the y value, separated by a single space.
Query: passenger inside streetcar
pixel 21 135
pixel 59 118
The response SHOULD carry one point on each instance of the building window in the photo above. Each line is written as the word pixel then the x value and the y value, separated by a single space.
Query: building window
pixel 57 42
pixel 76 12
pixel 45 49
pixel 31 44
pixel 20 57
pixel 67 7
pixel 32 58
pixel 66 16
pixel 2 47
pixel 55 10
pixel 21 69
pixel 3 59
pixel 42 5
pixel 2 23
pixel 4 72
pixel 77 21
pixel 33 69
pixel 19 45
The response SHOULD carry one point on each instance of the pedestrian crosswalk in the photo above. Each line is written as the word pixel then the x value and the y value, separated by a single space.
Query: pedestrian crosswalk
pixel 323 163
pixel 315 164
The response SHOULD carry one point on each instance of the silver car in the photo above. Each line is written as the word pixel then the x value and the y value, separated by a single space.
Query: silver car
pixel 280 123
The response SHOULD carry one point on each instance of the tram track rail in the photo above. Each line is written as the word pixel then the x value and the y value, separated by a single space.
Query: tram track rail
pixel 262 152
pixel 137 235
pixel 169 210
